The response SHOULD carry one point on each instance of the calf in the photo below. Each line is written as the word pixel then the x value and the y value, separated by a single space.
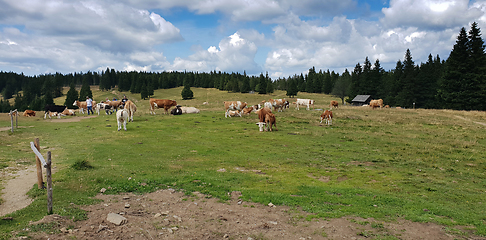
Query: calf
pixel 327 115
pixel 53 108
pixel 233 106
pixel 269 121
pixel 232 113
pixel 248 110
pixel 122 118
pixel 334 104
pixel 262 113
pixel 68 112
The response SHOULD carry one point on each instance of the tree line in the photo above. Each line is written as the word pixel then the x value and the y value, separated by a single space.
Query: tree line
pixel 456 83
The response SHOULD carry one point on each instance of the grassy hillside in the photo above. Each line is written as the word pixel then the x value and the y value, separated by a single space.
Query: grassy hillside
pixel 422 165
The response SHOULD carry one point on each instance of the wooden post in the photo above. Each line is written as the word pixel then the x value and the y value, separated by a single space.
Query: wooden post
pixel 40 181
pixel 16 117
pixel 11 119
pixel 49 183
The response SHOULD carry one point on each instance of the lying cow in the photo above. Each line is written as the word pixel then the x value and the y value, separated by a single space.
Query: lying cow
pixel 189 110
pixel 177 110
pixel 233 106
pixel 53 108
pixel 161 103
pixel 248 110
pixel 68 112
pixel 262 113
pixel 327 115
pixel 29 113
pixel 122 119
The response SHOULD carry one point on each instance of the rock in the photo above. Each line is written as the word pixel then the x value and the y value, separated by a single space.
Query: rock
pixel 127 205
pixel 170 230
pixel 272 222
pixel 174 228
pixel 226 236
pixel 165 213
pixel 222 170
pixel 103 190
pixel 271 205
pixel 116 219
pixel 157 215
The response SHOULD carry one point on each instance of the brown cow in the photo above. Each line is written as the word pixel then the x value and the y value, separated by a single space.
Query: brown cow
pixel 68 112
pixel 334 104
pixel 248 110
pixel 161 103
pixel 29 113
pixel 233 105
pixel 327 115
pixel 262 113
pixel 82 105
pixel 269 121
pixel 376 103
pixel 113 104
pixel 131 108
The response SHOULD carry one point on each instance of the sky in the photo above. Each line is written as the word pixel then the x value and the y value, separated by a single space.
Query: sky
pixel 278 37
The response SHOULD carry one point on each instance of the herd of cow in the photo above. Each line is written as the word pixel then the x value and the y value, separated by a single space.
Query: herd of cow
pixel 266 118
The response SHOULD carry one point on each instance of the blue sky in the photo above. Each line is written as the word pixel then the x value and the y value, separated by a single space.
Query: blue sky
pixel 281 37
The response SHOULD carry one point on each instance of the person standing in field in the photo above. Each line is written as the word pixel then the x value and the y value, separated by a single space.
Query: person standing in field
pixel 89 104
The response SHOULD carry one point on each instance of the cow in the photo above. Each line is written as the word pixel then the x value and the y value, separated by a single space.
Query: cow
pixel 334 104
pixel 262 113
pixel 122 119
pixel 278 104
pixel 231 113
pixel 248 110
pixel 131 108
pixel 82 105
pixel 304 102
pixel 233 105
pixel 177 110
pixel 269 121
pixel 327 115
pixel 267 105
pixel 115 104
pixel 103 106
pixel 376 103
pixel 161 103
pixel 68 112
pixel 53 108
pixel 29 113
pixel 287 104
pixel 189 110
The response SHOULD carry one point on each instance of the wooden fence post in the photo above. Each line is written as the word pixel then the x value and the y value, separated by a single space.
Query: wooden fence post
pixel 49 183
pixel 11 120
pixel 40 182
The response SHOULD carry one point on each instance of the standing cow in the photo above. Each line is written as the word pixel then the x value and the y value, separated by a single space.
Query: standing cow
pixel 234 106
pixel 304 102
pixel 161 103
pixel 262 113
pixel 131 109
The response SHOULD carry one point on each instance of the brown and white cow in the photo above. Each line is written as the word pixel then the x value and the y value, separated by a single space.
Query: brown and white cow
pixel 161 103
pixel 82 105
pixel 29 113
pixel 236 113
pixel 68 112
pixel 248 110
pixel 334 104
pixel 269 121
pixel 122 119
pixel 233 105
pixel 376 103
pixel 262 113
pixel 304 102
pixel 278 104
pixel 131 109
pixel 327 115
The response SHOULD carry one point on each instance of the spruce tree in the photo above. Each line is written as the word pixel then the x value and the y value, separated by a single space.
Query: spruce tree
pixel 292 88
pixel 262 85
pixel 407 95
pixel 143 91
pixel 85 91
pixel 71 96
pixel 476 86
pixel 342 86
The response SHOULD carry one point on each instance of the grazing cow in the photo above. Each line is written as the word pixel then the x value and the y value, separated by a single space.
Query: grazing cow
pixel 278 104
pixel 177 110
pixel 115 104
pixel 231 113
pixel 304 102
pixel 131 108
pixel 376 103
pixel 269 121
pixel 53 108
pixel 161 103
pixel 334 104
pixel 327 115
pixel 189 110
pixel 68 112
pixel 122 119
pixel 262 113
pixel 29 113
pixel 233 105
pixel 82 105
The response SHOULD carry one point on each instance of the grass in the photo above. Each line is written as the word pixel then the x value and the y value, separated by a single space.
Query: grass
pixel 421 165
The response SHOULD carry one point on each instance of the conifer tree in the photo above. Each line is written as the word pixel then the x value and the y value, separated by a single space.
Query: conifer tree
pixel 262 85
pixel 342 86
pixel 186 91
pixel 85 91
pixel 292 88
pixel 71 96
pixel 407 95
pixel 143 91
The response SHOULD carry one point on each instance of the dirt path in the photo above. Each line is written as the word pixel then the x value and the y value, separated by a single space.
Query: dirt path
pixel 14 194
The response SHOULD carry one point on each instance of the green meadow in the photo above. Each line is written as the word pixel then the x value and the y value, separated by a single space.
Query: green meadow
pixel 422 165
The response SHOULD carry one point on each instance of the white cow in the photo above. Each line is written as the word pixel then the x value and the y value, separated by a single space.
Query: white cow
pixel 304 102
pixel 122 118
pixel 189 110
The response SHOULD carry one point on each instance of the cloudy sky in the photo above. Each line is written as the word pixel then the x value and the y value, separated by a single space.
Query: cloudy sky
pixel 281 37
